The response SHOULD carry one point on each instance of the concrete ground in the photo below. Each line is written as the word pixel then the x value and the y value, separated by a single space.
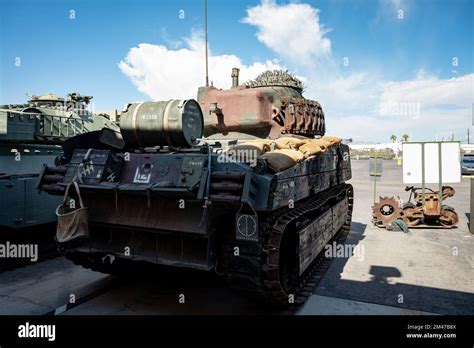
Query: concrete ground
pixel 430 270
pixel 427 271
pixel 43 287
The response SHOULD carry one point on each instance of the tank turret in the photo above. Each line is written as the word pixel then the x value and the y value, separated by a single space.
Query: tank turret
pixel 49 119
pixel 30 135
pixel 267 107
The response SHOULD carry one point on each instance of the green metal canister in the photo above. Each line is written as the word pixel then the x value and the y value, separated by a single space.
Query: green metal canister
pixel 176 123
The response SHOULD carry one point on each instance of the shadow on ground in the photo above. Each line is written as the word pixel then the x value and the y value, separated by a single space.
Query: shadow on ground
pixel 384 289
pixel 159 291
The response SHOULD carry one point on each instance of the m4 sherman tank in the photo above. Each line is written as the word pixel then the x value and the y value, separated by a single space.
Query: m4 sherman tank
pixel 30 135
pixel 256 198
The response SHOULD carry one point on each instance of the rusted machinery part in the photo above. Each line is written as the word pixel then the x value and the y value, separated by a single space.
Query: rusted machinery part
pixel 408 211
pixel 449 218
pixel 259 273
pixel 386 210
pixel 448 191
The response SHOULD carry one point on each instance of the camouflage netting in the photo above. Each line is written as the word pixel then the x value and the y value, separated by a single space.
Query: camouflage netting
pixel 276 78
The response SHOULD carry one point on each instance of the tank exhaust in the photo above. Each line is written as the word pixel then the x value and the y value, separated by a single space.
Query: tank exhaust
pixel 207 54
pixel 235 77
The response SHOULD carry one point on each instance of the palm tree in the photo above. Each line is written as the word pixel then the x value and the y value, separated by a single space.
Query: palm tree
pixel 393 138
pixel 405 137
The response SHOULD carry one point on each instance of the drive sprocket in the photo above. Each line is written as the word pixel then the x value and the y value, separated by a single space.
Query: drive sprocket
pixel 386 211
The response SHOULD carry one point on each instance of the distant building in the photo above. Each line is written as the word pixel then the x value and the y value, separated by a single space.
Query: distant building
pixel 395 147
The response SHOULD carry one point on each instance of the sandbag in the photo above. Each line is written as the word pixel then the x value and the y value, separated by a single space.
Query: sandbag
pixel 332 140
pixel 261 146
pixel 250 150
pixel 279 160
pixel 288 143
pixel 323 144
pixel 310 149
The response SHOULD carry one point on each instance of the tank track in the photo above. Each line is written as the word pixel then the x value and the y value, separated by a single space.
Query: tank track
pixel 256 270
pixel 94 263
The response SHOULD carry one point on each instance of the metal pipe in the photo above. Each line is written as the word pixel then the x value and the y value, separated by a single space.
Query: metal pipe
pixel 205 25
pixel 471 215
pixel 423 173
pixel 235 77
pixel 375 177
pixel 440 175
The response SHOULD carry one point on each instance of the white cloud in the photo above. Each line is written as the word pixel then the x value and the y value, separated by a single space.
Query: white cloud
pixel 392 10
pixel 434 123
pixel 396 4
pixel 431 91
pixel 293 31
pixel 342 95
pixel 425 107
pixel 163 73
pixel 175 44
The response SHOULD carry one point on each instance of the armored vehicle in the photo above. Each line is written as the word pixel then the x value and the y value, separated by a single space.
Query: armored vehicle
pixel 239 181
pixel 30 135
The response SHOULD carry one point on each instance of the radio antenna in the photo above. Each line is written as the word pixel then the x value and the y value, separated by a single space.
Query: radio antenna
pixel 205 25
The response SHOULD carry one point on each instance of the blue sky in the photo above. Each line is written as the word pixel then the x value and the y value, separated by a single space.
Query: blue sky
pixel 60 55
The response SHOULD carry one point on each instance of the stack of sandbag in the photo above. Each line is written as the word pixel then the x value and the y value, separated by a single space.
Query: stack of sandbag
pixel 289 143
pixel 291 150
pixel 311 149
pixel 259 145
pixel 332 140
pixel 250 150
pixel 281 159
pixel 288 150
pixel 323 144
pixel 314 147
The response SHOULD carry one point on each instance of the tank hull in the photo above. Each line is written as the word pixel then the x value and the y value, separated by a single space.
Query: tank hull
pixel 21 204
pixel 171 225
pixel 30 138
